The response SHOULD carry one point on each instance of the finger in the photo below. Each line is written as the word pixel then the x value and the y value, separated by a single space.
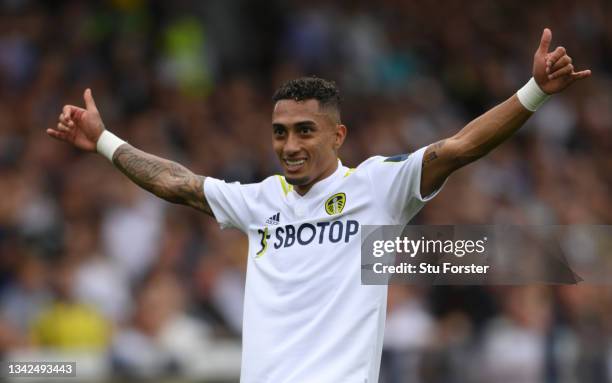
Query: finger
pixel 545 41
pixel 65 120
pixel 72 112
pixel 568 69
pixel 563 61
pixel 57 135
pixel 77 114
pixel 90 104
pixel 582 74
pixel 554 56
pixel 63 128
pixel 67 111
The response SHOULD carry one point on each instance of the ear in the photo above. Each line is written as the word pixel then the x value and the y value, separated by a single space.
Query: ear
pixel 340 136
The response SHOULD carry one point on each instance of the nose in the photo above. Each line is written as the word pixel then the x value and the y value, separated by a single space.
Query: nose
pixel 292 145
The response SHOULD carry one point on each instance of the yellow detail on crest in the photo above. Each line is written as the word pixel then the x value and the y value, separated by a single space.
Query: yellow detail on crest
pixel 335 204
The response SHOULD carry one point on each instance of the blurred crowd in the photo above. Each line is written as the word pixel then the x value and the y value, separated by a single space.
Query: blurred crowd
pixel 90 262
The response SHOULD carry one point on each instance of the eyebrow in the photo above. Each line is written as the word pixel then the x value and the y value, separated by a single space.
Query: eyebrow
pixel 305 123
pixel 297 124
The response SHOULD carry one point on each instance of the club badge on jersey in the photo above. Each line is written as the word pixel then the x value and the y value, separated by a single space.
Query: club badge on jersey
pixel 335 204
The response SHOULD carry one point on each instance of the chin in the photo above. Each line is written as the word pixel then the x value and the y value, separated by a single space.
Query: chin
pixel 297 181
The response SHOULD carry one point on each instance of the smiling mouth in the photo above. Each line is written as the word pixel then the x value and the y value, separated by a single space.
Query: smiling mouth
pixel 294 165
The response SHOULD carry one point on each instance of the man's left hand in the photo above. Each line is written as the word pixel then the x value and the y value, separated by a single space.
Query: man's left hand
pixel 554 71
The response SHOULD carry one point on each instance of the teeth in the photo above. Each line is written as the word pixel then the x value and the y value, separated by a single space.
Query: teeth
pixel 294 162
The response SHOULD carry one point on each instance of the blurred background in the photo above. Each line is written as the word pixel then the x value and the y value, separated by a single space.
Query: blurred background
pixel 96 270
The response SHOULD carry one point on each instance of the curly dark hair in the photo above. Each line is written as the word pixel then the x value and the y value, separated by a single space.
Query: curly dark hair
pixel 308 88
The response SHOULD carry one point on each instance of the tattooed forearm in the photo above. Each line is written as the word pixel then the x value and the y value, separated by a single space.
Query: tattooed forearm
pixel 489 130
pixel 166 179
pixel 472 142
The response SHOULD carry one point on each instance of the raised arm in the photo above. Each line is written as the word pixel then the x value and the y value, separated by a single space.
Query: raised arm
pixel 166 179
pixel 169 180
pixel 552 72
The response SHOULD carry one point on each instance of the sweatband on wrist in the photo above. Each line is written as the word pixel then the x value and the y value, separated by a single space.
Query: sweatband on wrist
pixel 531 96
pixel 107 144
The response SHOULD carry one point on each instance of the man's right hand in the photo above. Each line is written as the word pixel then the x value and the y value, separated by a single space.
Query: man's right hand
pixel 78 126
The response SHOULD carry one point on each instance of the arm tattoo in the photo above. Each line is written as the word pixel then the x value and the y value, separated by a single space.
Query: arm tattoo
pixel 429 157
pixel 432 155
pixel 166 179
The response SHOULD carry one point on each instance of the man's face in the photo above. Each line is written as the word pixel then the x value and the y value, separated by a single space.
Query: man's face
pixel 306 140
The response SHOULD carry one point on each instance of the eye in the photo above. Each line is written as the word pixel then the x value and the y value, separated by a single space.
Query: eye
pixel 305 130
pixel 278 131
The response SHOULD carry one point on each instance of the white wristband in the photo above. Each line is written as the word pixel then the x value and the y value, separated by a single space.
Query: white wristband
pixel 531 96
pixel 107 144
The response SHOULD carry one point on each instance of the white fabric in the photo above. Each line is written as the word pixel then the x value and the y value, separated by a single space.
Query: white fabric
pixel 307 317
pixel 131 235
pixel 99 282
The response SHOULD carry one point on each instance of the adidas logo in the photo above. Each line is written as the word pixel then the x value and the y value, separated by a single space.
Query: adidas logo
pixel 274 220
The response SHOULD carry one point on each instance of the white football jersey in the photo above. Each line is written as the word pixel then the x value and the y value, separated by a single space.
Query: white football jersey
pixel 307 317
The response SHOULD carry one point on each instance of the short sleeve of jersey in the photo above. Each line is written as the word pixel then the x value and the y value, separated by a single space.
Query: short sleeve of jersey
pixel 396 183
pixel 229 202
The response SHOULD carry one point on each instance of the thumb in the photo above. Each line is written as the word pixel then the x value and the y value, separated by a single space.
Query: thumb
pixel 90 104
pixel 545 41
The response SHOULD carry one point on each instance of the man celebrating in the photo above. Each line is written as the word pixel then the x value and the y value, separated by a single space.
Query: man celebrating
pixel 307 318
